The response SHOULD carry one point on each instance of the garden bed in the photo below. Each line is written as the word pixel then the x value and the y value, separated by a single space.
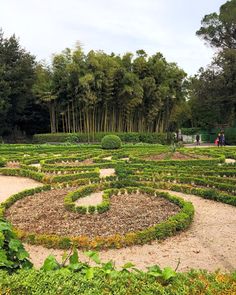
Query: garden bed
pixel 174 156
pixel 128 213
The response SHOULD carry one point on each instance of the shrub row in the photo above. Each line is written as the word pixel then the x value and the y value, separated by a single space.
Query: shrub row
pixel 129 137
pixel 202 182
pixel 2 162
pixel 122 283
pixel 202 162
pixel 70 177
pixel 22 172
pixel 210 194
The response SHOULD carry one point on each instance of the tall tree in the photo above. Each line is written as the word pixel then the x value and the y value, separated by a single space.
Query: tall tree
pixel 16 80
pixel 213 99
pixel 219 30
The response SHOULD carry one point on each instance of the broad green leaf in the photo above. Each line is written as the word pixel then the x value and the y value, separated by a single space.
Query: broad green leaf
pixel 27 264
pixel 155 268
pixel 22 254
pixel 77 266
pixel 50 263
pixel 74 257
pixel 64 256
pixel 154 274
pixel 93 255
pixel 128 265
pixel 5 226
pixel 14 244
pixel 108 266
pixel 168 273
pixel 4 260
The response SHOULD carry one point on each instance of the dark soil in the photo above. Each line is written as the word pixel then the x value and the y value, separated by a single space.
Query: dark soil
pixel 45 213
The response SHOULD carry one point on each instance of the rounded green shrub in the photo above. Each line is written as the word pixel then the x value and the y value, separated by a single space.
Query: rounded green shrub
pixel 111 142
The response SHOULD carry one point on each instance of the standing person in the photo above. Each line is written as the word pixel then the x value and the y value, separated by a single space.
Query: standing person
pixel 223 138
pixel 218 139
pixel 198 139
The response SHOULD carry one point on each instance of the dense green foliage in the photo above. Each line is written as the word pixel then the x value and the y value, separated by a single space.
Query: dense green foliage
pixel 12 253
pixel 213 90
pixel 219 29
pixel 18 107
pixel 126 137
pixel 111 142
pixel 123 283
pixel 100 92
pixel 87 93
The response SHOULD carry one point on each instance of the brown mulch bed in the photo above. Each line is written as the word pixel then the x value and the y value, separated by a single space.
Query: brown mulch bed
pixel 45 213
pixel 13 164
pixel 75 164
pixel 174 156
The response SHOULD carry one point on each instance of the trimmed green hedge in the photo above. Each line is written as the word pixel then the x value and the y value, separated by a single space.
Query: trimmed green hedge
pixel 160 231
pixel 65 282
pixel 22 172
pixel 2 162
pixel 129 137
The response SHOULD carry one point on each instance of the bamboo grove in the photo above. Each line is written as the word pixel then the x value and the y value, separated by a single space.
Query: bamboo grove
pixel 101 92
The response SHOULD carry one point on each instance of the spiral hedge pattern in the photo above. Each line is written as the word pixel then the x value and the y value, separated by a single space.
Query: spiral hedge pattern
pixel 201 172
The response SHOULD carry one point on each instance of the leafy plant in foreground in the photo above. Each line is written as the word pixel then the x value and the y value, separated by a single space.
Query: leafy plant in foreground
pixel 12 253
pixel 71 262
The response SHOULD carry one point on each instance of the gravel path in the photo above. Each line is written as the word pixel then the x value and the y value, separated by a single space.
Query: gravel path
pixel 10 185
pixel 91 200
pixel 209 243
pixel 107 172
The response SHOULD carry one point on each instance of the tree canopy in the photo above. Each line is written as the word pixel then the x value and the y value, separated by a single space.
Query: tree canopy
pixel 17 77
pixel 101 92
pixel 213 90
pixel 134 92
pixel 219 30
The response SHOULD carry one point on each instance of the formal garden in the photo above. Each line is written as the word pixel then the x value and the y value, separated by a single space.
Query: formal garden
pixel 115 218
pixel 117 161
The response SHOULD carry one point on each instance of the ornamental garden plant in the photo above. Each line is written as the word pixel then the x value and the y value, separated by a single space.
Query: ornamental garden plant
pixel 111 142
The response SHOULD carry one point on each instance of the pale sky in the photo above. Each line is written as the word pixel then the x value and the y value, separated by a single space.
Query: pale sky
pixel 167 26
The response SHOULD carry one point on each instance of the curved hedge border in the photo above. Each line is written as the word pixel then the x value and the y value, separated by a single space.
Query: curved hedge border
pixel 22 172
pixel 171 226
pixel 69 200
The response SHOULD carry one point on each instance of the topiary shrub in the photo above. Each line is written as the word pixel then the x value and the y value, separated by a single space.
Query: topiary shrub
pixel 111 142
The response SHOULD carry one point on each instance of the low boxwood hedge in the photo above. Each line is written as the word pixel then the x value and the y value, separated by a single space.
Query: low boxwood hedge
pixel 126 137
pixel 160 231
pixel 122 283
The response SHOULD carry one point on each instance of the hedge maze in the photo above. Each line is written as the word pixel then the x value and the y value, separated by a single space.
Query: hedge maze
pixel 143 173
